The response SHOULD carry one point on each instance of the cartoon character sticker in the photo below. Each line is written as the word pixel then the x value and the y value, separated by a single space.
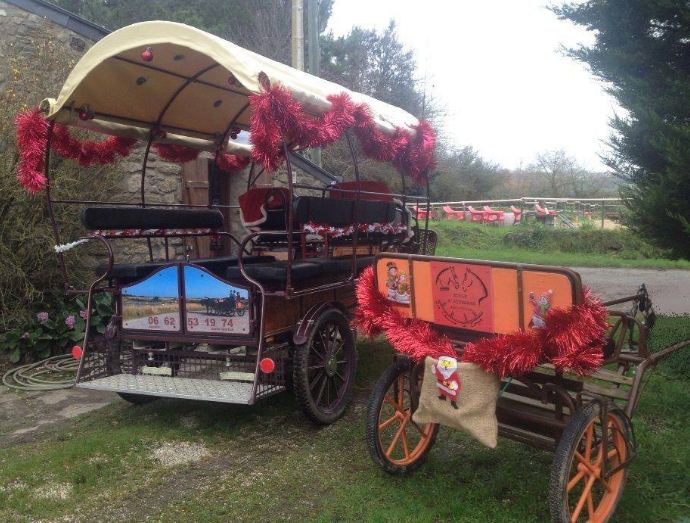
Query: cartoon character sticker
pixel 540 307
pixel 398 284
pixel 447 379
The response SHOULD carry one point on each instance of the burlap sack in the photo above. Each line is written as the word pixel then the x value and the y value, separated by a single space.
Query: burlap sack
pixel 476 402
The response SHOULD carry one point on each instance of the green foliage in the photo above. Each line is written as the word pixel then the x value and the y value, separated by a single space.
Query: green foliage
pixel 263 26
pixel 29 270
pixel 376 64
pixel 51 332
pixel 616 243
pixel 641 51
pixel 463 175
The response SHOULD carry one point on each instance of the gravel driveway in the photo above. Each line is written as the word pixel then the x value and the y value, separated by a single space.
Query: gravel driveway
pixel 669 289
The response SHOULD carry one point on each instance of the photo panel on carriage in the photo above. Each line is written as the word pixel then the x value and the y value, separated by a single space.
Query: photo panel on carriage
pixel 492 298
pixel 213 306
pixel 153 304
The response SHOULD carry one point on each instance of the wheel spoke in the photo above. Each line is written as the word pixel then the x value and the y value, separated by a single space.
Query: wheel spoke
pixel 613 452
pixel 316 380
pixel 323 384
pixel 406 448
pixel 575 480
pixel 314 367
pixel 324 343
pixel 388 422
pixel 339 375
pixel 594 470
pixel 588 441
pixel 319 354
pixel 392 402
pixel 419 429
pixel 401 391
pixel 590 506
pixel 396 438
pixel 583 498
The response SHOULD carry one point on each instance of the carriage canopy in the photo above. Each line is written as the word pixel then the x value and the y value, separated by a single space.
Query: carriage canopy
pixel 192 85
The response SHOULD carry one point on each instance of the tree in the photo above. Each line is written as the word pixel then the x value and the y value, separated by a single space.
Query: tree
pixel 642 52
pixel 464 175
pixel 377 64
pixel 260 25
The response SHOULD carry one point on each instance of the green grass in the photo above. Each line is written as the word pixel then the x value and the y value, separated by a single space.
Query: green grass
pixel 584 247
pixel 267 463
pixel 569 259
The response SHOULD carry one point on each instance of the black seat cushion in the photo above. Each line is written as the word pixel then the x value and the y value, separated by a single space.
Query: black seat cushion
pixel 341 265
pixel 137 271
pixel 117 218
pixel 275 271
pixel 341 212
pixel 301 269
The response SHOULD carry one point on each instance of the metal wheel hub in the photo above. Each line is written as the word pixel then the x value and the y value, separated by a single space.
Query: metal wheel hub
pixel 331 366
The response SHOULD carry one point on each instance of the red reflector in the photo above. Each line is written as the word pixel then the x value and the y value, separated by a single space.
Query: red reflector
pixel 76 352
pixel 267 365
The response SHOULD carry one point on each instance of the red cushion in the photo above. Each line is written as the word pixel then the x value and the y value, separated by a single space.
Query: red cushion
pixel 253 203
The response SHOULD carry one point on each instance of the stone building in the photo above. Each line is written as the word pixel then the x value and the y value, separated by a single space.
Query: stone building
pixel 22 24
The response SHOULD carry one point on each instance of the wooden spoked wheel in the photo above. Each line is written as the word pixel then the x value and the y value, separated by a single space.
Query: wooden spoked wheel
pixel 585 490
pixel 324 368
pixel 395 441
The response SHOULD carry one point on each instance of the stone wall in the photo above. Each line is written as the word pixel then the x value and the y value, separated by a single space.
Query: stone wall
pixel 21 31
pixel 24 36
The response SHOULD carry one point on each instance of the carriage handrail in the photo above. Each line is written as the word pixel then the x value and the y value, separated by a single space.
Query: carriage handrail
pixel 373 193
pixel 138 204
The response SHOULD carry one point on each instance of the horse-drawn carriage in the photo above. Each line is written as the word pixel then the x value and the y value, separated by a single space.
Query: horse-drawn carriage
pixel 509 318
pixel 269 310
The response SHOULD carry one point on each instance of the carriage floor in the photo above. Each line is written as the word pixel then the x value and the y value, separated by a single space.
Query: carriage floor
pixel 182 388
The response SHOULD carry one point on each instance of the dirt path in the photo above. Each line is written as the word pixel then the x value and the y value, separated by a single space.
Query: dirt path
pixel 669 289
pixel 24 416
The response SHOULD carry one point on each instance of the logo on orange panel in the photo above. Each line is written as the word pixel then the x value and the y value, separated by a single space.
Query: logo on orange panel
pixel 463 296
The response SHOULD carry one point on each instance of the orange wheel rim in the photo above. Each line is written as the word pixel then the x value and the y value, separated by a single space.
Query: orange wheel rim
pixel 400 438
pixel 591 496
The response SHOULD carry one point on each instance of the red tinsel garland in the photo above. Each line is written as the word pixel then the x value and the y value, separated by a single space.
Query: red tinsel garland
pixel 32 135
pixel 573 339
pixel 176 153
pixel 275 113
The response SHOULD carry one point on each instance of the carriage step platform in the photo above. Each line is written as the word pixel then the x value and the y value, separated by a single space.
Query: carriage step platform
pixel 182 388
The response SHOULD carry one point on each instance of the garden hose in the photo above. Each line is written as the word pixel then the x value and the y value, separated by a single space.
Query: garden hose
pixel 57 372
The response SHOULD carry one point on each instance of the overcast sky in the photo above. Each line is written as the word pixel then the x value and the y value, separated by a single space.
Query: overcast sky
pixel 498 69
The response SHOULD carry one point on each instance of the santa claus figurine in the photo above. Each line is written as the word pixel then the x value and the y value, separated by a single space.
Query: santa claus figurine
pixel 447 379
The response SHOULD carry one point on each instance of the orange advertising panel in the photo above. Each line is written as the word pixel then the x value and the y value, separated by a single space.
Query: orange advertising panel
pixel 481 297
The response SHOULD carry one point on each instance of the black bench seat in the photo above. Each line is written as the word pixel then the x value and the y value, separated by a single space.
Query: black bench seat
pixel 302 269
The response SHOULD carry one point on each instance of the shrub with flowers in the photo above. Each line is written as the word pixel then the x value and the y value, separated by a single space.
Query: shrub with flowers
pixel 53 332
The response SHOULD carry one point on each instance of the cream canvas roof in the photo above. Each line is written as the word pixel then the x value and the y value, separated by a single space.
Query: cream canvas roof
pixel 128 95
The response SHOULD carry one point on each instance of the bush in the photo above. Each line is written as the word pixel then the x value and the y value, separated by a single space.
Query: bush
pixel 51 332
pixel 29 269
